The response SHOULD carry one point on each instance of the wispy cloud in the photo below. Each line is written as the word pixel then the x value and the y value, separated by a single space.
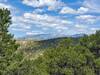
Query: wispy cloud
pixel 93 5
pixel 51 4
pixel 88 19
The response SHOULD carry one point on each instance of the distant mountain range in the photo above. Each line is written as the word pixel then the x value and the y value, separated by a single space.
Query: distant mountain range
pixel 77 35
pixel 48 36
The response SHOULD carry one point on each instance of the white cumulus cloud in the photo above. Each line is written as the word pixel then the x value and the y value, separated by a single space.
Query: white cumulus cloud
pixel 69 10
pixel 52 4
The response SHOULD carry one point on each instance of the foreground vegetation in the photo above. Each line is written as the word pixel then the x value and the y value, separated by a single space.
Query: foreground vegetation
pixel 65 56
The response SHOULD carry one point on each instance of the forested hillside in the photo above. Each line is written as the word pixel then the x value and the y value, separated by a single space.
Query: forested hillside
pixel 60 56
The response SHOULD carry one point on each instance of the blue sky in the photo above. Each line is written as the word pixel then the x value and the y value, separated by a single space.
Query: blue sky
pixel 56 17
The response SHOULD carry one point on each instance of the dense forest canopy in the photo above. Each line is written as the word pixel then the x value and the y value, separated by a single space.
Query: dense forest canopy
pixel 65 56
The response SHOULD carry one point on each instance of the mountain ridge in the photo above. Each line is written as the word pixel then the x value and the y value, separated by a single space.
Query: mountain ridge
pixel 48 36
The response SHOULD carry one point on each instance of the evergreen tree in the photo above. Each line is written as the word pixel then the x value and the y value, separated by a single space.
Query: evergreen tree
pixel 8 45
pixel 76 60
pixel 92 42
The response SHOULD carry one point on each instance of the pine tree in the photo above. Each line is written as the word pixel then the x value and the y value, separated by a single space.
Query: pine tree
pixel 8 45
